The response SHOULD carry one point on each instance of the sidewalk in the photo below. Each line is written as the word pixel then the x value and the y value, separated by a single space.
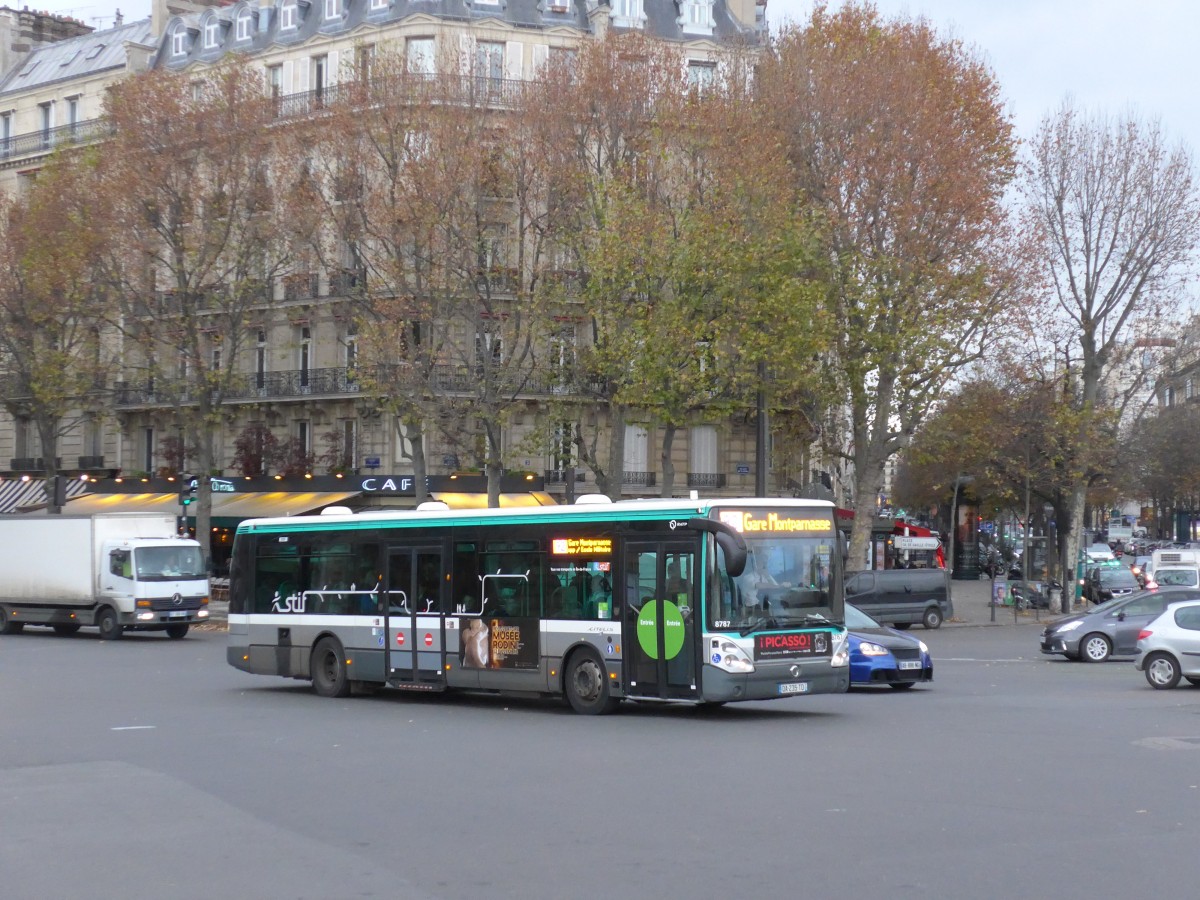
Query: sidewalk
pixel 972 606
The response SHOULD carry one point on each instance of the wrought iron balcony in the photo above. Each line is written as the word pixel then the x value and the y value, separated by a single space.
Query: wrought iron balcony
pixel 91 462
pixel 31 464
pixel 559 476
pixel 640 479
pixel 47 139
pixel 706 479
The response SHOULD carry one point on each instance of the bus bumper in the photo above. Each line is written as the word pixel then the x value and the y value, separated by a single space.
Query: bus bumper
pixel 772 683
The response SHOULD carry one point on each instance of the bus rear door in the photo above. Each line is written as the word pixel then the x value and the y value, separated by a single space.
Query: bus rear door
pixel 416 623
pixel 659 631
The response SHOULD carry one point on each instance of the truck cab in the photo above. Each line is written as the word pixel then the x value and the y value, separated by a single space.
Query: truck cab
pixel 155 582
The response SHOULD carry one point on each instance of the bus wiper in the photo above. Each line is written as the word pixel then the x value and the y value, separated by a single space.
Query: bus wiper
pixel 761 622
pixel 814 619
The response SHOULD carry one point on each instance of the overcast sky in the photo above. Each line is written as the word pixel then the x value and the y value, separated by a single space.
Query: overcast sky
pixel 1108 54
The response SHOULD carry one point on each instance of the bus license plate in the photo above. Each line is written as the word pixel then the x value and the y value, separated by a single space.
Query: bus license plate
pixel 910 664
pixel 794 687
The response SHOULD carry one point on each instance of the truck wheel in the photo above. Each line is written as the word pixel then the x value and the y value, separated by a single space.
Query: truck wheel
pixel 329 676
pixel 932 617
pixel 178 630
pixel 109 624
pixel 66 629
pixel 7 625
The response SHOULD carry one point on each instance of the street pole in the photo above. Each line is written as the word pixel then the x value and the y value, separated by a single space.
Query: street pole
pixel 760 447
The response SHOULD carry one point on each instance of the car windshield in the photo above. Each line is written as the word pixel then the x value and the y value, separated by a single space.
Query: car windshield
pixel 168 563
pixel 1176 577
pixel 1117 578
pixel 856 618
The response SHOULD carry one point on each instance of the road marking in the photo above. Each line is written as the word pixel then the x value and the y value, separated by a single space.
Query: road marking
pixel 133 727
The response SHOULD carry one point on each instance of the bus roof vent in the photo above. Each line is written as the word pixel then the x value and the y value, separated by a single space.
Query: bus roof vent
pixel 433 506
pixel 592 499
pixel 337 511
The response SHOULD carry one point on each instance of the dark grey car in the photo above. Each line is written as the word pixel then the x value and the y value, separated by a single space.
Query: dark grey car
pixel 1110 628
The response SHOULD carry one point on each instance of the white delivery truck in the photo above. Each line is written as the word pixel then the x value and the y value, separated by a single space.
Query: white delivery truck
pixel 114 571
pixel 1174 568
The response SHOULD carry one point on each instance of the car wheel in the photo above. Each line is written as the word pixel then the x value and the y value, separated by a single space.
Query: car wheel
pixel 586 684
pixel 932 618
pixel 1162 671
pixel 109 624
pixel 901 685
pixel 1095 648
pixel 329 676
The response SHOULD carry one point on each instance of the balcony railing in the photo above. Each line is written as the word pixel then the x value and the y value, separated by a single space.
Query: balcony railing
pixel 640 479
pixel 47 139
pixel 559 476
pixel 706 479
pixel 91 462
pixel 31 464
pixel 251 386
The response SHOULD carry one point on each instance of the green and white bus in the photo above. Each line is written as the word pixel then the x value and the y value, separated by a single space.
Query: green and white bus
pixel 700 601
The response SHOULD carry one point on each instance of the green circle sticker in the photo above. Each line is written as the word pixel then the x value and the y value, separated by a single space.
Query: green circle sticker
pixel 647 628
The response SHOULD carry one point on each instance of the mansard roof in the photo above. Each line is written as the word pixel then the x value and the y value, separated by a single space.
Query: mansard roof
pixel 661 22
pixel 77 57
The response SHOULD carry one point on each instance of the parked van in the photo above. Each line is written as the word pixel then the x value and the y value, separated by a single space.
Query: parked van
pixel 1174 568
pixel 901 597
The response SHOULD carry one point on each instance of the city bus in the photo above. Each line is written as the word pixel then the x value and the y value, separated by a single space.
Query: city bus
pixel 674 600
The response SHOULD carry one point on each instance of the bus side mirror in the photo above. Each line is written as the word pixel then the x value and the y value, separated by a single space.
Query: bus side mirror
pixel 730 542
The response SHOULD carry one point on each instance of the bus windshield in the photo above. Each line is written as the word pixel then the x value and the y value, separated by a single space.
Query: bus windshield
pixel 168 563
pixel 788 582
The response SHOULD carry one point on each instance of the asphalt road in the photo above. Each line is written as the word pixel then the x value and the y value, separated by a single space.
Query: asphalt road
pixel 148 768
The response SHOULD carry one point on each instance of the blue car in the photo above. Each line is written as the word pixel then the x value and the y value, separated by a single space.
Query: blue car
pixel 880 655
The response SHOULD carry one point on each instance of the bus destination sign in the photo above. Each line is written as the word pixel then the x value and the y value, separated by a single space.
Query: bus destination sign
pixel 581 546
pixel 758 521
pixel 790 646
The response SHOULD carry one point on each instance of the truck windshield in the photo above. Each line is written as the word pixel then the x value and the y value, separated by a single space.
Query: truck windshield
pixel 168 563
pixel 788 582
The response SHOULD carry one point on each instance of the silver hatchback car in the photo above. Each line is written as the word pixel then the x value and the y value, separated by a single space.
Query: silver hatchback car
pixel 1168 648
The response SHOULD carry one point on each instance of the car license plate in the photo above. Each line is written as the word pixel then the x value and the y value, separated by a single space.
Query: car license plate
pixel 177 614
pixel 910 664
pixel 794 687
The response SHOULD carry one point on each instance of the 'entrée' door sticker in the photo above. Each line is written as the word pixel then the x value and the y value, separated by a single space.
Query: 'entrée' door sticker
pixel 647 628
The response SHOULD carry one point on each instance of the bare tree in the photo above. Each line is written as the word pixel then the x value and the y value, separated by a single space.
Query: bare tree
pixel 1119 218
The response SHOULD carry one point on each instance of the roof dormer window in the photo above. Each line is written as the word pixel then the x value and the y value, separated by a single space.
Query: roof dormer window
pixel 245 24
pixel 179 40
pixel 288 15
pixel 696 16
pixel 212 32
pixel 333 9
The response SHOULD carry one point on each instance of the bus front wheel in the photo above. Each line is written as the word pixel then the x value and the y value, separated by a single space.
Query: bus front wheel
pixel 587 685
pixel 329 676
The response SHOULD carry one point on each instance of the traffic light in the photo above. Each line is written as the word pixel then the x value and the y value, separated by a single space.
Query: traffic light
pixel 187 491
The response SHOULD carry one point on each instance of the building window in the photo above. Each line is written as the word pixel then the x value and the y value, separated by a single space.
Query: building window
pixel 179 40
pixel 418 54
pixel 147 449
pixel 212 32
pixel 275 80
pixel 351 348
pixel 628 13
pixel 6 132
pixel 377 5
pixel 701 75
pixel 72 111
pixel 637 449
pixel 489 60
pixel 288 15
pixel 1187 389
pixel 304 437
pixel 702 450
pixel 305 356
pixel 1170 396
pixel 333 9
pixel 349 442
pixel 45 122
pixel 245 24
pixel 320 75
pixel 260 360
pixel 696 17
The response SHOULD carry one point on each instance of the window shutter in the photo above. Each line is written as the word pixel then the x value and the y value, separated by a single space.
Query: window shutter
pixel 514 60
pixel 289 75
pixel 333 75
pixel 305 76
pixel 541 55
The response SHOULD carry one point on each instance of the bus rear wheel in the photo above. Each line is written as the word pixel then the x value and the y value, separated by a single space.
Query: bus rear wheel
pixel 329 676
pixel 586 684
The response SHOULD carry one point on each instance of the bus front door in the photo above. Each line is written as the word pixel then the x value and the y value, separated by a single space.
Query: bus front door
pixel 659 631
pixel 416 625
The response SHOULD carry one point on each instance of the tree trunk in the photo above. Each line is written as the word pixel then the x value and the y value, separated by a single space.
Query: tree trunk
pixel 203 505
pixel 668 467
pixel 1072 543
pixel 615 476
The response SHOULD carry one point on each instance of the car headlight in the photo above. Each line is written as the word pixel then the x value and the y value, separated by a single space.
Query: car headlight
pixel 924 649
pixel 866 648
pixel 731 658
pixel 1068 626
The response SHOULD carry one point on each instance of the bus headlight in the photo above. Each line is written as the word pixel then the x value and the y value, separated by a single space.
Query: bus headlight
pixel 731 658
pixel 840 658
